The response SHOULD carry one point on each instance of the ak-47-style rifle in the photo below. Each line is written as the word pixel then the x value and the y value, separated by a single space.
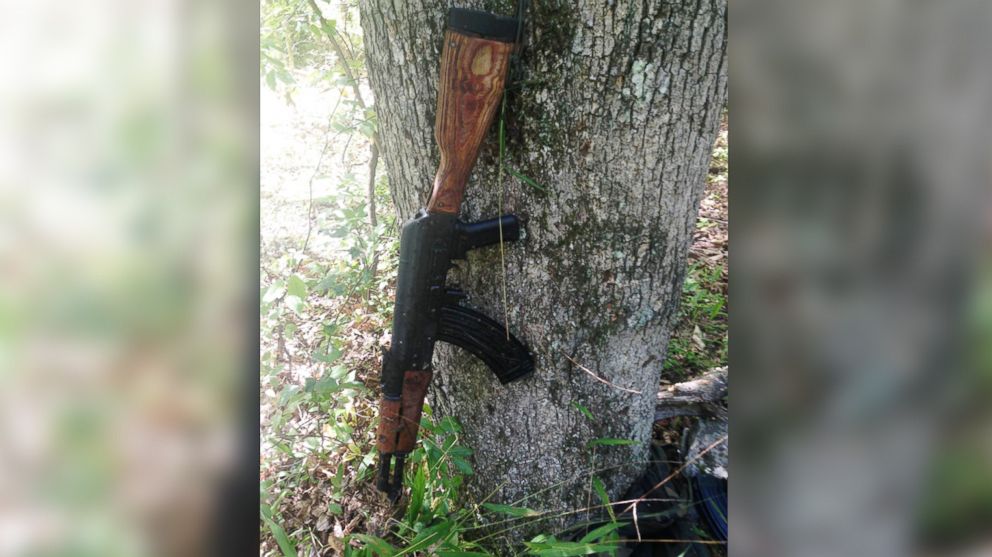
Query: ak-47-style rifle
pixel 474 63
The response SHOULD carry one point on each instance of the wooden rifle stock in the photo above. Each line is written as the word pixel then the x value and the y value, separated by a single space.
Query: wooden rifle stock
pixel 473 75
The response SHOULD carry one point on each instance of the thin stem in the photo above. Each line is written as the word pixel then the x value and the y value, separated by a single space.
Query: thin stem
pixel 598 378
pixel 499 202
pixel 313 176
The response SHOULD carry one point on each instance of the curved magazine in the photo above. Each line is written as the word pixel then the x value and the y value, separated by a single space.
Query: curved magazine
pixel 486 340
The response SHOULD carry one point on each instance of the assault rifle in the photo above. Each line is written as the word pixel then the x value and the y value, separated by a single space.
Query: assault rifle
pixel 474 63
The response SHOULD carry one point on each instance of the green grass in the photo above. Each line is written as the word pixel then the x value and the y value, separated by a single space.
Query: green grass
pixel 699 341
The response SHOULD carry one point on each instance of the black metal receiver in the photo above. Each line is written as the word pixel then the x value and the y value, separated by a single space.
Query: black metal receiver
pixel 428 311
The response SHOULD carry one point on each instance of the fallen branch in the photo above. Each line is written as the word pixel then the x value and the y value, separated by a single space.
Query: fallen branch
pixel 699 397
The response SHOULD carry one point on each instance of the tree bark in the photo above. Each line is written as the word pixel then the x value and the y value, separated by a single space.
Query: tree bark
pixel 613 107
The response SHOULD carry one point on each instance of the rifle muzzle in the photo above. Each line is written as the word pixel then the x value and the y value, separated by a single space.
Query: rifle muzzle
pixel 389 476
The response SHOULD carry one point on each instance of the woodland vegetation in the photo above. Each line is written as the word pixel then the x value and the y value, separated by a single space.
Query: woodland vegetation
pixel 329 255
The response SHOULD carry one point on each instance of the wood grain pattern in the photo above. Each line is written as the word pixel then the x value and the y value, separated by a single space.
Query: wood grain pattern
pixel 414 391
pixel 399 420
pixel 473 74
pixel 389 425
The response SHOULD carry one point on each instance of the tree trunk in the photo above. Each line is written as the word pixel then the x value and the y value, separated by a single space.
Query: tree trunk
pixel 613 107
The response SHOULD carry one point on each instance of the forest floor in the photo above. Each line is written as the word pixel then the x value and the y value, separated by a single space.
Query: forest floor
pixel 324 315
pixel 699 341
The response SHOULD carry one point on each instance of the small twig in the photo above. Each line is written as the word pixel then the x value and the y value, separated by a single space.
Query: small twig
pixel 351 525
pixel 703 542
pixel 679 470
pixel 345 63
pixel 499 202
pixel 345 42
pixel 344 151
pixel 636 526
pixel 592 464
pixel 373 222
pixel 281 346
pixel 598 378
pixel 373 163
pixel 313 176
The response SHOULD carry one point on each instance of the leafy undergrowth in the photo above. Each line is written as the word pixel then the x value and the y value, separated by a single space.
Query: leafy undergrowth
pixel 328 263
pixel 699 340
pixel 322 317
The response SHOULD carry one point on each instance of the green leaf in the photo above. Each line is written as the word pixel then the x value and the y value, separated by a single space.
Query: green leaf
pixel 463 466
pixel 461 554
pixel 716 308
pixel 296 287
pixel 326 385
pixel 429 536
pixel 567 549
pixel 527 180
pixel 367 128
pixel 585 411
pixel 510 510
pixel 598 533
pixel 449 425
pixel 273 292
pixel 600 489
pixel 416 495
pixel 286 546
pixel 378 545
pixel 329 26
pixel 334 508
pixel 265 508
pixel 294 303
pixel 340 372
pixel 610 441
pixel 329 356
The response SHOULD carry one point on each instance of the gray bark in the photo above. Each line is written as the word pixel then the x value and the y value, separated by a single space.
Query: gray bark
pixel 614 109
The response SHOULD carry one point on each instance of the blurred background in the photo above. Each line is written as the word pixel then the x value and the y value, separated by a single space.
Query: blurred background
pixel 128 249
pixel 860 335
